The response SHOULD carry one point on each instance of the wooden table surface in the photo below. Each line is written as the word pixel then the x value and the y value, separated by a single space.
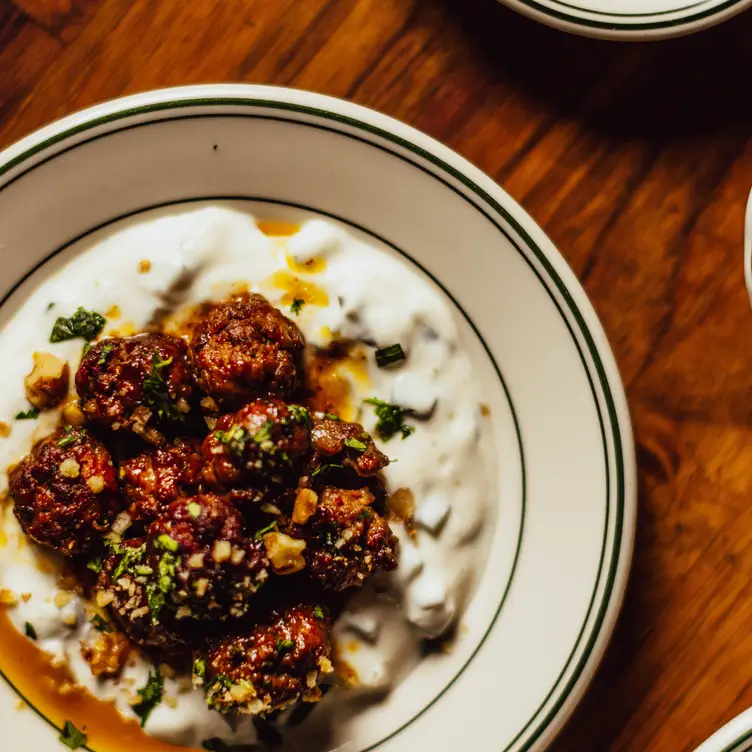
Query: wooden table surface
pixel 635 159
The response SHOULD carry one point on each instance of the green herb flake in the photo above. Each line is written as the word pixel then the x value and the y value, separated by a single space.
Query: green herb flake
pixel 103 353
pixel 300 415
pixel 101 624
pixel 29 631
pixel 355 444
pixel 194 510
pixel 391 419
pixel 82 323
pixel 264 530
pixel 214 744
pixel 264 433
pixel 385 356
pixel 157 392
pixel 151 696
pixel 95 565
pixel 235 439
pixel 318 612
pixel 31 414
pixel 72 737
pixel 284 645
pixel 324 467
pixel 297 304
pixel 129 558
pixel 331 416
pixel 70 438
pixel 199 668
pixel 166 543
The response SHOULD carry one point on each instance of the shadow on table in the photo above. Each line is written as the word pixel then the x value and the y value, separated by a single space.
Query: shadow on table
pixel 678 86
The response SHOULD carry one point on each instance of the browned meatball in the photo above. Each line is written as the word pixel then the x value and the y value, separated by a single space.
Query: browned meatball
pixel 277 664
pixel 140 383
pixel 262 444
pixel 244 347
pixel 207 569
pixel 156 477
pixel 346 540
pixel 130 589
pixel 339 443
pixel 65 492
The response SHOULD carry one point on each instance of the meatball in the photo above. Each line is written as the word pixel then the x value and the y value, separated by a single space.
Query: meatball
pixel 65 492
pixel 156 477
pixel 244 347
pixel 142 384
pixel 277 664
pixel 128 587
pixel 346 540
pixel 263 444
pixel 205 567
pixel 339 443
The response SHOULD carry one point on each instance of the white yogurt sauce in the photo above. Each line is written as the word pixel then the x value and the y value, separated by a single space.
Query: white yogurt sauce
pixel 373 297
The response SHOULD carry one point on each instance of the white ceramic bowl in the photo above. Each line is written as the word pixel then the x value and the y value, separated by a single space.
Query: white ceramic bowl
pixel 538 622
pixel 630 20
pixel 735 736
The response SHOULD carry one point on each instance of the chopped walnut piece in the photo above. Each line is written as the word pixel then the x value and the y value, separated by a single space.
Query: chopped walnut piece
pixel 47 383
pixel 108 654
pixel 285 553
pixel 401 505
pixel 305 505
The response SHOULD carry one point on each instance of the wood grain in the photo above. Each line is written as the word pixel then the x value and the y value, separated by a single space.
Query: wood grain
pixel 636 159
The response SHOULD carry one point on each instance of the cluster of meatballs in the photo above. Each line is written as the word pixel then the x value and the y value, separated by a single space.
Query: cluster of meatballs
pixel 222 519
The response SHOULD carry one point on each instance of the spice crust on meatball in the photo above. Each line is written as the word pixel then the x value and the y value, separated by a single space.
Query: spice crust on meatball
pixel 156 477
pixel 65 492
pixel 141 384
pixel 278 663
pixel 243 348
pixel 207 569
pixel 263 444
pixel 346 539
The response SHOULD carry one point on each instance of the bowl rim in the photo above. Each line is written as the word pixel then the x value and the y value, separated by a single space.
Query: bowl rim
pixel 31 150
pixel 616 26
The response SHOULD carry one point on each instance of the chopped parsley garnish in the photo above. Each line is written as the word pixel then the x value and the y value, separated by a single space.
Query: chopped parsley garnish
pixel 157 392
pixel 355 444
pixel 29 631
pixel 264 433
pixel 366 514
pixel 300 415
pixel 103 353
pixel 387 355
pixel 199 668
pixel 235 439
pixel 284 645
pixel 156 591
pixel 151 696
pixel 95 565
pixel 72 737
pixel 318 612
pixel 214 744
pixel 264 530
pixel 30 414
pixel 297 304
pixel 326 466
pixel 391 419
pixel 70 437
pixel 331 416
pixel 129 557
pixel 168 544
pixel 82 323
pixel 101 624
